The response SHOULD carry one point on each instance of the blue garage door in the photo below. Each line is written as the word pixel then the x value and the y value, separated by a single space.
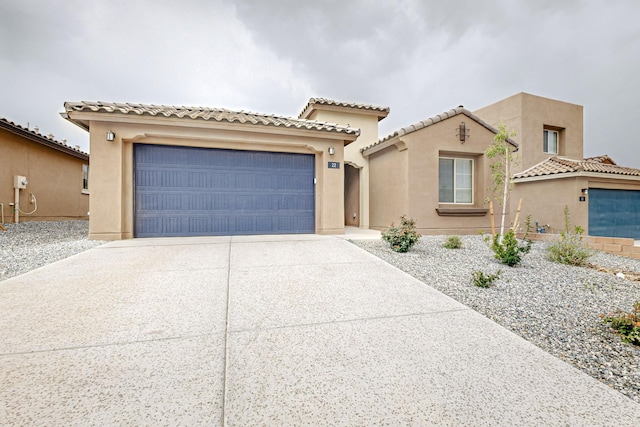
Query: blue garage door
pixel 186 191
pixel 614 213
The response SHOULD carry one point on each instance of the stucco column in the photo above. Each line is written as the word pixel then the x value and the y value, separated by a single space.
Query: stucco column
pixel 105 203
pixel 364 195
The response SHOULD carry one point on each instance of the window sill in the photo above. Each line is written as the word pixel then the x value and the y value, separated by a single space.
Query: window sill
pixel 461 212
pixel 84 191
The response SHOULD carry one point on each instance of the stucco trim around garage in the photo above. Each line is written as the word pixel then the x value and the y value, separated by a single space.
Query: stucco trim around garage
pixel 220 115
pixel 431 121
pixel 38 138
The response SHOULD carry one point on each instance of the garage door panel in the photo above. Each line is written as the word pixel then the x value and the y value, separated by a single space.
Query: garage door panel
pixel 267 182
pixel 199 179
pixel 171 224
pixel 614 213
pixel 292 182
pixel 245 179
pixel 221 192
pixel 149 224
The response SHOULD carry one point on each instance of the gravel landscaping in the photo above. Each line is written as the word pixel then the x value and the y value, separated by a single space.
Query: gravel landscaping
pixel 29 245
pixel 555 306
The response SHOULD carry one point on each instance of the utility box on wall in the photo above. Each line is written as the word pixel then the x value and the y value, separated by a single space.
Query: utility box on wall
pixel 20 182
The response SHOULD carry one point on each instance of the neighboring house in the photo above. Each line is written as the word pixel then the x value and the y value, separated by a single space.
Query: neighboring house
pixel 434 171
pixel 602 197
pixel 52 177
pixel 186 171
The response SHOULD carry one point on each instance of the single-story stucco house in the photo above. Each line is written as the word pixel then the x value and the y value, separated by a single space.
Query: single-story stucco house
pixel 178 171
pixel 184 171
pixel 41 178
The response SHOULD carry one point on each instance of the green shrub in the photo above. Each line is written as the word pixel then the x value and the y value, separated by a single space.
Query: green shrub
pixel 627 325
pixel 569 248
pixel 453 242
pixel 508 250
pixel 402 238
pixel 482 280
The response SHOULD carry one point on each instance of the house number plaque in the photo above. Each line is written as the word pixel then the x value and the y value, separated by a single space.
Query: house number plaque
pixel 334 165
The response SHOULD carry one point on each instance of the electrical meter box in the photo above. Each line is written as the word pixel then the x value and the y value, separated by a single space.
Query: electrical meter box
pixel 19 182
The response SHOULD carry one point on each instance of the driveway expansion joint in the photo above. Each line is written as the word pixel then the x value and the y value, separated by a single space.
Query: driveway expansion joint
pixel 354 320
pixel 105 345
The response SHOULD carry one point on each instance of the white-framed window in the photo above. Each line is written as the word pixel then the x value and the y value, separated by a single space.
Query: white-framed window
pixel 550 141
pixel 455 180
pixel 85 178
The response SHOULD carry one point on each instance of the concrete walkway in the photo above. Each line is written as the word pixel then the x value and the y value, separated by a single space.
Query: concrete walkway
pixel 268 330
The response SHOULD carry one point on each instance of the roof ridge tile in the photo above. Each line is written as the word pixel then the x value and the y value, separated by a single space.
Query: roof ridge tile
pixel 354 105
pixel 11 125
pixel 207 113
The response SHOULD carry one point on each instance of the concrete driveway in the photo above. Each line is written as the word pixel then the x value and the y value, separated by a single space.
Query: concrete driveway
pixel 268 330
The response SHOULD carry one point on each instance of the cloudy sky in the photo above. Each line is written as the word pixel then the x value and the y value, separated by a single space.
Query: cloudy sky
pixel 420 58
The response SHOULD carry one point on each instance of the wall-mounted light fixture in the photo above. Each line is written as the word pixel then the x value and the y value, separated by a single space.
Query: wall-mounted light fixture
pixel 463 132
pixel 585 191
pixel 332 151
pixel 111 136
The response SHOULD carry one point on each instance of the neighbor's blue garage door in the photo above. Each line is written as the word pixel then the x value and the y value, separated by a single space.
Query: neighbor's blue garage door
pixel 614 213
pixel 186 191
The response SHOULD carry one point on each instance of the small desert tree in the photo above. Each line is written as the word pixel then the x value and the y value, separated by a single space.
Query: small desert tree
pixel 502 161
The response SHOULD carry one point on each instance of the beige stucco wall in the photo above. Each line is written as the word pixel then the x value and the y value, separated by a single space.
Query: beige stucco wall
pixel 112 191
pixel 55 179
pixel 404 178
pixel 367 122
pixel 389 186
pixel 528 115
pixel 545 200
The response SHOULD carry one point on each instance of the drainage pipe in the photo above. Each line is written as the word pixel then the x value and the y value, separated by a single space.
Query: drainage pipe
pixel 2 209
pixel 16 205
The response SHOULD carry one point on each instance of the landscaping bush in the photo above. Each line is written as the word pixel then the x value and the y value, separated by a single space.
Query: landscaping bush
pixel 508 250
pixel 482 280
pixel 402 238
pixel 453 242
pixel 627 325
pixel 570 247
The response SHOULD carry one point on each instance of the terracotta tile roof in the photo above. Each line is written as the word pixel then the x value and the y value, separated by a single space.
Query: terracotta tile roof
pixel 383 111
pixel 205 113
pixel 47 140
pixel 436 119
pixel 561 165
pixel 601 159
